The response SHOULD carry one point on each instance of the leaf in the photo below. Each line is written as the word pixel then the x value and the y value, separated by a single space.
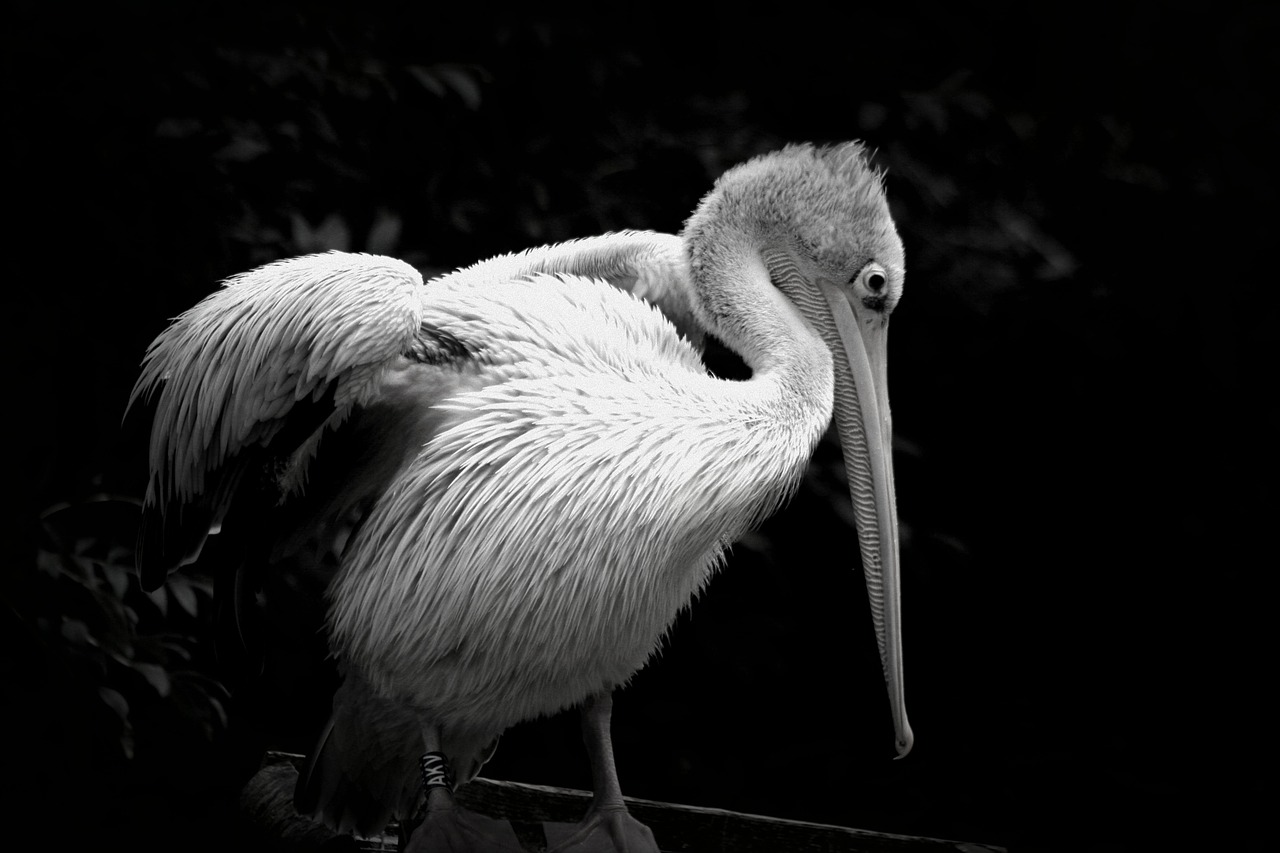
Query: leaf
pixel 427 80
pixel 184 596
pixel 160 598
pixel 384 234
pixel 155 676
pixel 117 703
pixel 48 563
pixel 440 79
pixel 77 632
pixel 121 557
pixel 201 698
pixel 114 700
pixel 117 577
pixel 463 83
pixel 332 233
pixel 242 149
pixel 176 650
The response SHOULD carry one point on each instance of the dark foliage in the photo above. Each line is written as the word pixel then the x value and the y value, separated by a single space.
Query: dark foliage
pixel 1083 422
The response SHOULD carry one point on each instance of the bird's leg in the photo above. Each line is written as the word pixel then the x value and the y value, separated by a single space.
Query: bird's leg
pixel 446 827
pixel 608 827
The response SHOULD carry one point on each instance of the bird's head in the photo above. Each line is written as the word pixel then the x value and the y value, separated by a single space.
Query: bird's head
pixel 806 212
pixel 813 223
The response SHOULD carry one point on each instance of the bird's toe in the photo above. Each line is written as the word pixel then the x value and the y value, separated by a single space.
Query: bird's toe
pixel 611 830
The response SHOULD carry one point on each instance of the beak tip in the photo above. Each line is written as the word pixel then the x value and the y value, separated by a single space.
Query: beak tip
pixel 904 742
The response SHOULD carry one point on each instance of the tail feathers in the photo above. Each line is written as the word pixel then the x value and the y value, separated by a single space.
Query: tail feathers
pixel 348 794
pixel 364 770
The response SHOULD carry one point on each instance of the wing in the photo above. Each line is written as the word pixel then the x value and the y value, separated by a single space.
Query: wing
pixel 244 384
pixel 244 388
pixel 649 264
pixel 251 376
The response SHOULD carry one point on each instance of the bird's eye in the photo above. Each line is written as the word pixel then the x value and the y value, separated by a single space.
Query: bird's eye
pixel 873 277
pixel 871 283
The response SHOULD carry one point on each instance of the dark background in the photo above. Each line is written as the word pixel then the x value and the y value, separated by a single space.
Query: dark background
pixel 1080 370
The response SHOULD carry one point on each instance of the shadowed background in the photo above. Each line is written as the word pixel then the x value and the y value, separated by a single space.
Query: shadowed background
pixel 1077 371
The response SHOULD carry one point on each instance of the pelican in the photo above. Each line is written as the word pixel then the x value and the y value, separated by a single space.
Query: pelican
pixel 513 477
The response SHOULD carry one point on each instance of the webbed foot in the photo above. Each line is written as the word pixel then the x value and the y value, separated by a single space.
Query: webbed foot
pixel 606 830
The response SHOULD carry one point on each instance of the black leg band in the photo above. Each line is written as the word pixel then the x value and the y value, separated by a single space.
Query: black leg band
pixel 436 772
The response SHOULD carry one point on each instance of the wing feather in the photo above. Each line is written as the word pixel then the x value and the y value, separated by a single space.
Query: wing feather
pixel 648 264
pixel 273 356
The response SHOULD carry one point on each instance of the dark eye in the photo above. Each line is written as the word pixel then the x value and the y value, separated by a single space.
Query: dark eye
pixel 871 286
pixel 873 277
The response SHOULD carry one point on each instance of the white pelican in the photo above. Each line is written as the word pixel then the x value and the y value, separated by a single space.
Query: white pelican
pixel 516 475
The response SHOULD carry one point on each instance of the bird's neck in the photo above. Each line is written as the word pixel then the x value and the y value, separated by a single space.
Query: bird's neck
pixel 791 367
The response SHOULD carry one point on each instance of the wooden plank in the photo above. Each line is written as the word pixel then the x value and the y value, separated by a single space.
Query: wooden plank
pixel 535 810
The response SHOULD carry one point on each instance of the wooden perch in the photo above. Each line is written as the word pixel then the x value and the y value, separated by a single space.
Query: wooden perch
pixel 538 813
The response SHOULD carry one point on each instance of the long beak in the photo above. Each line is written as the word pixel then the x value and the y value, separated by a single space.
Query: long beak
pixel 866 437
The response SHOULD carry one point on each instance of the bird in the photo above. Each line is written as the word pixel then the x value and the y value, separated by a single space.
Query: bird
pixel 507 481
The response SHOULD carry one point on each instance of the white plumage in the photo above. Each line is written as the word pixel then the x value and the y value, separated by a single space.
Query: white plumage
pixel 520 471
